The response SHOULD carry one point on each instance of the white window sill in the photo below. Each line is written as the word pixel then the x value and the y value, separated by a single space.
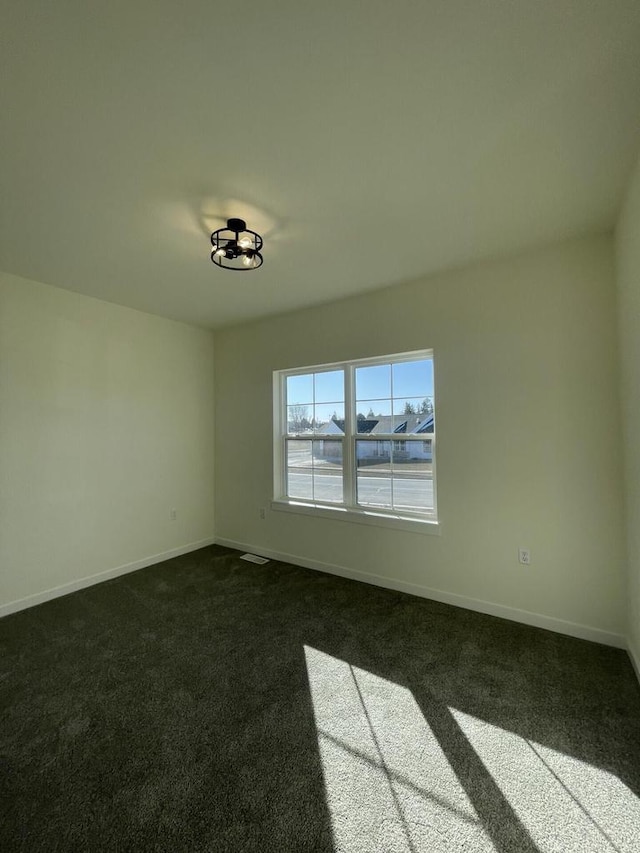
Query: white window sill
pixel 360 516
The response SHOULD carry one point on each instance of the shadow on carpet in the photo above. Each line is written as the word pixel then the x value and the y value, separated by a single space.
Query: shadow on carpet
pixel 207 704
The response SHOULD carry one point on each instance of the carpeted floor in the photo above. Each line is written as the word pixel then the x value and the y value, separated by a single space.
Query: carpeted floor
pixel 207 704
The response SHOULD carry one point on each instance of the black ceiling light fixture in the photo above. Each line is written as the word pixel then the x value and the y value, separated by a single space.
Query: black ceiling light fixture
pixel 236 247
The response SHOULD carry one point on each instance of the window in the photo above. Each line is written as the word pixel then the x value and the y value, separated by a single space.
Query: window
pixel 337 443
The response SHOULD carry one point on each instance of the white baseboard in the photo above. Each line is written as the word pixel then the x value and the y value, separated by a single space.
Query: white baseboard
pixel 90 580
pixel 537 620
pixel 635 657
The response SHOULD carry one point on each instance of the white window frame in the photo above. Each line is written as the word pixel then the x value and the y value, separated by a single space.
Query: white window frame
pixel 348 510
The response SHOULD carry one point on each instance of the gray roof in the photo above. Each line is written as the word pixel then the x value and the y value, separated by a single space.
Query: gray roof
pixel 390 424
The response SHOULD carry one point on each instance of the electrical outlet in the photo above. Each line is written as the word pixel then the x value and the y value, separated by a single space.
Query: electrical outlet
pixel 524 556
pixel 263 513
pixel 173 514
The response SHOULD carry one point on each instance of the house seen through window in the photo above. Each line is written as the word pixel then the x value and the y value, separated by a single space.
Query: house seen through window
pixel 358 436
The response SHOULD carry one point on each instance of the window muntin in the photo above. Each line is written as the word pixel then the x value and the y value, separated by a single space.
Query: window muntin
pixel 359 435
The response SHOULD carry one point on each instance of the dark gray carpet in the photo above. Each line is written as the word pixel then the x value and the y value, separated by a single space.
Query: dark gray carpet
pixel 171 710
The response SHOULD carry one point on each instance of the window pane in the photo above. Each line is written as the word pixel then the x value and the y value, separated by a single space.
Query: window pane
pixel 418 453
pixel 327 486
pixel 299 454
pixel 373 383
pixel 329 386
pixel 412 490
pixel 300 483
pixel 300 389
pixel 374 489
pixel 373 455
pixel 427 425
pixel 327 455
pixel 365 424
pixel 329 418
pixel 327 471
pixel 373 483
pixel 299 418
pixel 412 475
pixel 373 408
pixel 427 405
pixel 410 406
pixel 413 378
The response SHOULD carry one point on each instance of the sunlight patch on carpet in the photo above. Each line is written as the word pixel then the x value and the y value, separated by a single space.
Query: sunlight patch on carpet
pixel 566 805
pixel 389 785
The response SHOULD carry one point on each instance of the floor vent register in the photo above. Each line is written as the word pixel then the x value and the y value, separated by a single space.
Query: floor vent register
pixel 253 558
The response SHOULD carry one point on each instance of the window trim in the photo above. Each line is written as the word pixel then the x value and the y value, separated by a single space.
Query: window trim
pixel 337 512
pixel 348 510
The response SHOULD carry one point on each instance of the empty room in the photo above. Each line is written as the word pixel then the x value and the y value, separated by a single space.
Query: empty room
pixel 342 554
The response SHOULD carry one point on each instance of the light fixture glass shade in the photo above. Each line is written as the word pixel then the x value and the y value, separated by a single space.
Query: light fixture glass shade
pixel 236 247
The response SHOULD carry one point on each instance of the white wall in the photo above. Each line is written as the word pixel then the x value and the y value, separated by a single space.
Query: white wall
pixel 528 435
pixel 628 271
pixel 106 423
